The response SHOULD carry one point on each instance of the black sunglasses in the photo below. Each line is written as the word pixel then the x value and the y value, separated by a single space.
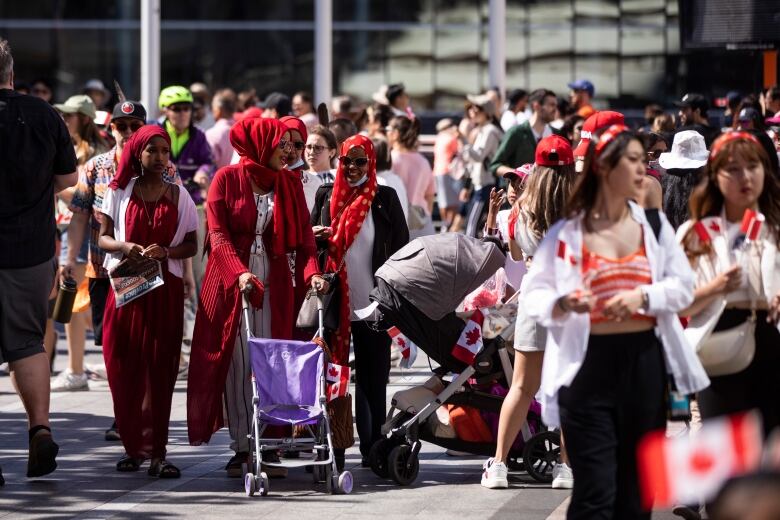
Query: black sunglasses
pixel 180 108
pixel 298 145
pixel 654 154
pixel 121 127
pixel 359 162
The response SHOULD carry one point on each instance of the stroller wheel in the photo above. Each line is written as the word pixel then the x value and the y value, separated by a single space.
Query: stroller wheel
pixel 403 464
pixel 249 485
pixel 345 483
pixel 377 457
pixel 262 483
pixel 540 454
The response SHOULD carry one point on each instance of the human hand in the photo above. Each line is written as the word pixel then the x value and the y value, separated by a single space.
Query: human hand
pixel 497 199
pixel 464 195
pixel 68 270
pixel 189 284
pixel 623 305
pixel 727 281
pixel 245 282
pixel 155 251
pixel 132 251
pixel 576 301
pixel 319 284
pixel 322 231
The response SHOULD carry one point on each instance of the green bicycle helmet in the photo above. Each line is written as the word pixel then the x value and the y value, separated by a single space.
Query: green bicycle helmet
pixel 174 94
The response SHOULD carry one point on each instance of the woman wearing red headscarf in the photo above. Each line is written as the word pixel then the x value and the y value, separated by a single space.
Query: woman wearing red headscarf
pixel 361 225
pixel 257 219
pixel 294 158
pixel 145 216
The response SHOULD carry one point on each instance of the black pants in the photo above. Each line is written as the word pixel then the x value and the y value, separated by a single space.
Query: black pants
pixel 372 366
pixel 758 386
pixel 98 292
pixel 617 396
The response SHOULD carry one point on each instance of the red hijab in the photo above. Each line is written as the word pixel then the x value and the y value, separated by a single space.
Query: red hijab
pixel 130 162
pixel 349 207
pixel 255 139
pixel 293 123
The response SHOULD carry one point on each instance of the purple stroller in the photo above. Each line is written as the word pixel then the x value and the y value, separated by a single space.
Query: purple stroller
pixel 288 386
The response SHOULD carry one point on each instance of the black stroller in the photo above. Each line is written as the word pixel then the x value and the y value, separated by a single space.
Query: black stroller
pixel 418 290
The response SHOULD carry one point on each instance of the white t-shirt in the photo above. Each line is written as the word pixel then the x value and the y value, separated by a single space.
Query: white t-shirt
pixel 360 273
pixel 311 183
pixel 389 178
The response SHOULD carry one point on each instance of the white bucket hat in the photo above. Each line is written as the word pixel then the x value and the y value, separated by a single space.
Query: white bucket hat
pixel 688 152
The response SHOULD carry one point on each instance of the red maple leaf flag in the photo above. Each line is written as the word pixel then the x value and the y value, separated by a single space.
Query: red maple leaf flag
pixel 337 377
pixel 563 251
pixel 470 342
pixel 405 345
pixel 687 470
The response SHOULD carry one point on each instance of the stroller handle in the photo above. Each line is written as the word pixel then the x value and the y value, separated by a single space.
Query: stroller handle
pixel 245 306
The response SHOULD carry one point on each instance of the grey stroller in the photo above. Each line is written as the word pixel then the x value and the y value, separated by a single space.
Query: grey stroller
pixel 289 389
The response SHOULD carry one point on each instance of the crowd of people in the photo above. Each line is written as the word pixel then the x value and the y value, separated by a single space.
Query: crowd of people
pixel 232 195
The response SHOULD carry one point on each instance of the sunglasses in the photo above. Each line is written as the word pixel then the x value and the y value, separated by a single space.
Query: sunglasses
pixel 654 154
pixel 180 108
pixel 134 127
pixel 299 145
pixel 359 162
pixel 284 145
pixel 316 148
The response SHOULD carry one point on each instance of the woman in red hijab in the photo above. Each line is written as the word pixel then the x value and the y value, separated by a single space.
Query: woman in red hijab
pixel 144 216
pixel 257 223
pixel 361 225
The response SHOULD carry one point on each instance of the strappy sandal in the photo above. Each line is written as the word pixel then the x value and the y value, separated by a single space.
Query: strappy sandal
pixel 127 464
pixel 164 469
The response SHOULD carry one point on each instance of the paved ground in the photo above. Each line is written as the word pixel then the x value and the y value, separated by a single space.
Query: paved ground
pixel 86 486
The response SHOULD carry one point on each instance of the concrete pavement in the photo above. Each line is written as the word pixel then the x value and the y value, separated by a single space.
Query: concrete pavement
pixel 86 485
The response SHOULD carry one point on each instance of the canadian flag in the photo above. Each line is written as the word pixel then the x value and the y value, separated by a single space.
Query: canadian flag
pixel 707 229
pixel 338 377
pixel 685 470
pixel 470 342
pixel 405 345
pixel 563 251
pixel 751 224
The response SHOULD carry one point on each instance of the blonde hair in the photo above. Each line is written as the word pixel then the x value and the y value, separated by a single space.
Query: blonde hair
pixel 544 198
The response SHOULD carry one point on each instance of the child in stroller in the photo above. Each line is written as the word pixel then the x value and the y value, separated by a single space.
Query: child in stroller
pixel 449 266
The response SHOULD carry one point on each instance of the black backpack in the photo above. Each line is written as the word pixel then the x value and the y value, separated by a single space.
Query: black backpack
pixel 654 219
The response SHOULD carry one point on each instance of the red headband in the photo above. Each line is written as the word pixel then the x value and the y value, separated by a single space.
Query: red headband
pixel 608 136
pixel 720 142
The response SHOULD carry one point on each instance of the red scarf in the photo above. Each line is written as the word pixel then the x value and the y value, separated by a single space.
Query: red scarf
pixel 130 160
pixel 293 123
pixel 255 140
pixel 348 209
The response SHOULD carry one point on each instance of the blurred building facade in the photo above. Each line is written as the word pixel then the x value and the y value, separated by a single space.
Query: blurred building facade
pixel 630 49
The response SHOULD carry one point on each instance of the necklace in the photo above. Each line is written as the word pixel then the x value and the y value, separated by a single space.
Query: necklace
pixel 149 216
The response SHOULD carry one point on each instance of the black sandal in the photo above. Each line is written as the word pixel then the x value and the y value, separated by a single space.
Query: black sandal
pixel 127 464
pixel 164 469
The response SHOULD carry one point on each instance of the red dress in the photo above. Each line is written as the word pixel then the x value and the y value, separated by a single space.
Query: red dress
pixel 142 342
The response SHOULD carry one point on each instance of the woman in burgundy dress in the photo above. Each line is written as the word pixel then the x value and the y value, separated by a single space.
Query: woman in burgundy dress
pixel 259 239
pixel 145 217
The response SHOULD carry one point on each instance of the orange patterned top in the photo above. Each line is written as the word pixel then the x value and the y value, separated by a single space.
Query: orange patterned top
pixel 606 277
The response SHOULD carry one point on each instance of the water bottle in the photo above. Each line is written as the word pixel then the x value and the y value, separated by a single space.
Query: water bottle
pixel 63 307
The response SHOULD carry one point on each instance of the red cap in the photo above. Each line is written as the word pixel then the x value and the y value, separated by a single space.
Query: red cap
pixel 593 124
pixel 553 150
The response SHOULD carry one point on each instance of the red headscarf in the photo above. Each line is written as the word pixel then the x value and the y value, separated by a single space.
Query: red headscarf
pixel 255 140
pixel 130 163
pixel 293 123
pixel 349 207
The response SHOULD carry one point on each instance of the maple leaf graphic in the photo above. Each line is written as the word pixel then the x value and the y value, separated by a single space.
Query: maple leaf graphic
pixel 715 227
pixel 401 343
pixel 473 336
pixel 333 372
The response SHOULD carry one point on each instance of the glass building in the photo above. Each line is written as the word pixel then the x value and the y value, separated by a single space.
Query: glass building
pixel 630 49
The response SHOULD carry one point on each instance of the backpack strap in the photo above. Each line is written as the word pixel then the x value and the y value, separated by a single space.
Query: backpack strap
pixel 654 219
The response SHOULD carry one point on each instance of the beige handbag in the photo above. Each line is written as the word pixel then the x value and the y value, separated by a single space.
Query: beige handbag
pixel 729 351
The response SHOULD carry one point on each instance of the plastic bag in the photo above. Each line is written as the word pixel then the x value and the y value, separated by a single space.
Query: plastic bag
pixel 489 294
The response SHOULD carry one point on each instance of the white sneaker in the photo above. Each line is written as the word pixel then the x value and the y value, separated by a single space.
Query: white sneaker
pixel 494 474
pixel 563 478
pixel 67 381
pixel 98 371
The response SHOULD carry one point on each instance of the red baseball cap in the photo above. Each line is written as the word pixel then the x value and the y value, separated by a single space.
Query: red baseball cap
pixel 593 124
pixel 553 150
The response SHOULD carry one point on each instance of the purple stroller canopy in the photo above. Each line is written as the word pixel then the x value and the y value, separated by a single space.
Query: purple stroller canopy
pixel 287 379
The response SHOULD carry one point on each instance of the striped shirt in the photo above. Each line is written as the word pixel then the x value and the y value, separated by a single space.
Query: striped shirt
pixel 606 277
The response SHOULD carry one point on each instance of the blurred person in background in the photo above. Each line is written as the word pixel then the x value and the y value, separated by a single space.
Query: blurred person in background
pixel 303 108
pixel 201 106
pixel 247 99
pixel 378 117
pixel 580 95
pixel 654 145
pixel 276 105
pixel 693 116
pixel 682 171
pixel 651 112
pixel 385 176
pixel 771 99
pixel 750 119
pixel 96 90
pixel 515 113
pixel 79 114
pixel 415 171
pixel 572 128
pixel 445 161
pixel 320 153
pixel 341 108
pixel 42 88
pixel 223 106
pixel 664 124
pixel 398 99
pixel 343 129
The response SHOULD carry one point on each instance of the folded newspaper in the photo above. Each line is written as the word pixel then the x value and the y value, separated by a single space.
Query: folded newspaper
pixel 131 279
